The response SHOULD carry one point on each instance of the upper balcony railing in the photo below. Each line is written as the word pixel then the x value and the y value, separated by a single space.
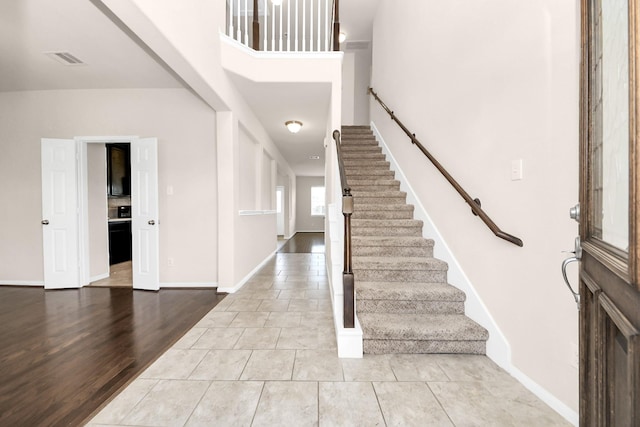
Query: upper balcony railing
pixel 285 25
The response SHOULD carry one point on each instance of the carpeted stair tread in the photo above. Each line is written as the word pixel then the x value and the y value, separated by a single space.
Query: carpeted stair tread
pixel 357 223
pixel 407 241
pixel 408 290
pixel 398 263
pixel 357 208
pixel 426 327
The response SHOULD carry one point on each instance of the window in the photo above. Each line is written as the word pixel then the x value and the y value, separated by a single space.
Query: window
pixel 317 201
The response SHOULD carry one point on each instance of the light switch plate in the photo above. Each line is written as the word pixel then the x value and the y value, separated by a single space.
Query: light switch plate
pixel 516 170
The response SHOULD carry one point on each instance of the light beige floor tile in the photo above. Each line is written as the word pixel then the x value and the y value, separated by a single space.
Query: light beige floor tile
pixel 304 305
pixel 217 319
pixel 283 320
pixel 416 367
pixel 250 319
pixel 190 338
pixel 288 404
pixel 265 365
pixel 317 319
pixel 467 367
pixel 258 339
pixel 292 294
pixel 221 365
pixel 169 403
pixel 227 403
pixel 261 283
pixel 473 403
pixel 119 407
pixel 175 364
pixel 244 305
pixel 274 305
pixel 317 294
pixel 410 404
pixel 317 365
pixel 218 338
pixel 265 295
pixel 348 404
pixel 306 338
pixel 369 368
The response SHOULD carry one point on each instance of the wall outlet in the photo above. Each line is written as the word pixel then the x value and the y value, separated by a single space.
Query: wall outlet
pixel 171 262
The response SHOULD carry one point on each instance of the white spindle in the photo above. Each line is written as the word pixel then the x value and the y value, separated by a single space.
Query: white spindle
pixel 288 26
pixel 238 29
pixel 319 25
pixel 280 39
pixel 231 5
pixel 296 26
pixel 311 25
pixel 265 27
pixel 273 27
pixel 304 25
pixel 246 23
pixel 327 25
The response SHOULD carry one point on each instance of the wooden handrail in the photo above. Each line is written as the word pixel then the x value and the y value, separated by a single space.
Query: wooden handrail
pixel 473 203
pixel 348 298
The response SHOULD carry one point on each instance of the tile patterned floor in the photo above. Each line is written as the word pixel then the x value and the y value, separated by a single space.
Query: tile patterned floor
pixel 266 356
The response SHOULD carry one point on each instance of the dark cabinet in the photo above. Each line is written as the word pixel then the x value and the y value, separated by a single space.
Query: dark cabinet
pixel 119 242
pixel 118 170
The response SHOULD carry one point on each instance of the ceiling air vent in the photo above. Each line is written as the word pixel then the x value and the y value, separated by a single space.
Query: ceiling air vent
pixel 356 45
pixel 65 58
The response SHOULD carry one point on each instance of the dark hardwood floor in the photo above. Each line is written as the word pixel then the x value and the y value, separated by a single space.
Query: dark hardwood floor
pixel 304 243
pixel 63 353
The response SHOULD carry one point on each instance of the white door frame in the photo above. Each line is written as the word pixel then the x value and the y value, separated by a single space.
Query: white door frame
pixel 84 198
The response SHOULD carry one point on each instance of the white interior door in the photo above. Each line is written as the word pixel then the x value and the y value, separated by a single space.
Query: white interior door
pixel 60 229
pixel 144 215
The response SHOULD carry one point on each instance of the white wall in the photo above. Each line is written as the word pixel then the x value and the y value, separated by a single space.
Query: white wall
pixel 186 132
pixel 305 222
pixel 482 84
pixel 97 211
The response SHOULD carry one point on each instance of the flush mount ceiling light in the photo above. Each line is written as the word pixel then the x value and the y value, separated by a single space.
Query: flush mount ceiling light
pixel 294 126
pixel 314 157
pixel 342 37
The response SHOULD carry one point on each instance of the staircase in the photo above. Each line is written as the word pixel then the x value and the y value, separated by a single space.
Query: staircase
pixel 403 301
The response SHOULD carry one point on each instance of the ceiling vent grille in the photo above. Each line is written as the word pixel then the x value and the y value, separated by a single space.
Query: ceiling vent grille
pixel 65 58
pixel 356 45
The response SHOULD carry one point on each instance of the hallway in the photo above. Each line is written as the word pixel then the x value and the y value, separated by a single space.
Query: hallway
pixel 266 355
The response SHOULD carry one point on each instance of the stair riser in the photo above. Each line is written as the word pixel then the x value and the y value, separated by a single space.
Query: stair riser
pixel 434 276
pixel 366 164
pixel 392 251
pixel 351 156
pixel 399 306
pixel 421 347
pixel 369 174
pixel 357 149
pixel 359 182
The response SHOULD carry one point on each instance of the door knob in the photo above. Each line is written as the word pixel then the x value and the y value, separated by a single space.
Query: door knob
pixel 45 222
pixel 574 212
pixel 152 222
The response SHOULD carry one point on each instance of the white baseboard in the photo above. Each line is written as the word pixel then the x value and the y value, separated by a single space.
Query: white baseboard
pixel 188 285
pixel 240 284
pixel 98 277
pixel 556 404
pixel 32 283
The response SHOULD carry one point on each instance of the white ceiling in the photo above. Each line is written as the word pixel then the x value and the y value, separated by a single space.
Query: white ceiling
pixel 29 28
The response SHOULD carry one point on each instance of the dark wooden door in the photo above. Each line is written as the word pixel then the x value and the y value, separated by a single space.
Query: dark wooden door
pixel 609 226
